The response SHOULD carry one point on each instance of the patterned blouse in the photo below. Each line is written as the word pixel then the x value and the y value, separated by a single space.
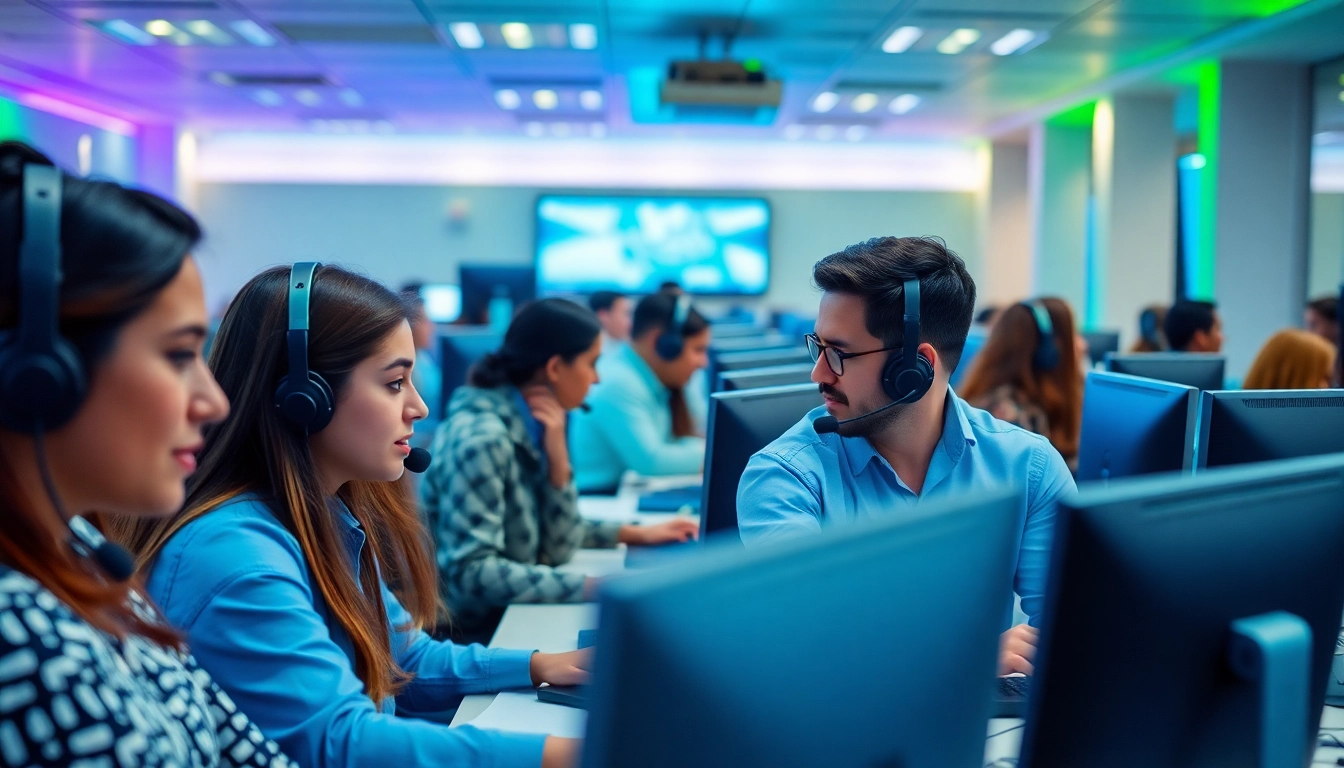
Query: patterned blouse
pixel 72 695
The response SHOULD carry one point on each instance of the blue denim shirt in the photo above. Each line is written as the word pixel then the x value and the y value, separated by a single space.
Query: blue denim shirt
pixel 804 480
pixel 236 582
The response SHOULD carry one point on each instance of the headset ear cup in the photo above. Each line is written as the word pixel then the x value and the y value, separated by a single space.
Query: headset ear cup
pixel 310 405
pixel 39 390
pixel 326 402
pixel 669 346
pixel 1047 355
pixel 907 385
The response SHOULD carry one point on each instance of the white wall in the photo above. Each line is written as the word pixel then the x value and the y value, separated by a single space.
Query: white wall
pixel 401 232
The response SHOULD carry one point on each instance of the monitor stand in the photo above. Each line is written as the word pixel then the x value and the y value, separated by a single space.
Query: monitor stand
pixel 1274 650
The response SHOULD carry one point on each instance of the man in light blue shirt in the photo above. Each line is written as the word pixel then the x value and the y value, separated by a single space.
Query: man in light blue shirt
pixel 888 455
pixel 640 416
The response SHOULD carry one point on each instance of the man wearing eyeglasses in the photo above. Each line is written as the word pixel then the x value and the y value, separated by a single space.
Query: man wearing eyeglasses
pixel 892 434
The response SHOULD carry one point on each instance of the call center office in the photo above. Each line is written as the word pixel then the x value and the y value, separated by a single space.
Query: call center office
pixel 914 383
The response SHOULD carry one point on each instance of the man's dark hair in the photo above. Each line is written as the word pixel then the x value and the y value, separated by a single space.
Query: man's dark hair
pixel 1185 319
pixel 877 269
pixel 655 312
pixel 1326 306
pixel 670 286
pixel 604 300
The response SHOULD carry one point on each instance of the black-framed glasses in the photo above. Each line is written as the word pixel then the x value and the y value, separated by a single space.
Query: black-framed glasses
pixel 834 357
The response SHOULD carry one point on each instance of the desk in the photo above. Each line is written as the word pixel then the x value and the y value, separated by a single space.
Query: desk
pixel 553 628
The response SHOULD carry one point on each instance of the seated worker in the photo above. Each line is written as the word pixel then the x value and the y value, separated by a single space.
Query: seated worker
pixel 640 416
pixel 1321 317
pixel 1152 335
pixel 499 496
pixel 427 377
pixel 614 311
pixel 1030 373
pixel 892 434
pixel 1292 359
pixel 1194 326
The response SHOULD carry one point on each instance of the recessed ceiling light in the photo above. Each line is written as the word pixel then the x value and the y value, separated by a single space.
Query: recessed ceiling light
pixel 507 98
pixel 826 132
pixel 856 132
pixel 516 35
pixel 209 32
pixel 253 33
pixel 545 99
pixel 590 99
pixel 267 97
pixel 534 129
pixel 126 32
pixel 903 103
pixel 160 28
pixel 825 101
pixel 583 36
pixel 351 98
pixel 958 41
pixel 597 130
pixel 901 40
pixel 466 34
pixel 1017 41
pixel 794 132
pixel 864 102
pixel 308 97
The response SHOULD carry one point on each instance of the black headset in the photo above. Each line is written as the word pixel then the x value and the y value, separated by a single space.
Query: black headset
pixel 42 380
pixel 1046 357
pixel 908 374
pixel 303 397
pixel 671 342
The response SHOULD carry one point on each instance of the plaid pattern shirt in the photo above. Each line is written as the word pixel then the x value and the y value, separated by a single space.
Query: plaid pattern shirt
pixel 500 526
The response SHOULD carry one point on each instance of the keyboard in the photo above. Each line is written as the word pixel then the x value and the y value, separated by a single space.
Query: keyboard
pixel 1010 700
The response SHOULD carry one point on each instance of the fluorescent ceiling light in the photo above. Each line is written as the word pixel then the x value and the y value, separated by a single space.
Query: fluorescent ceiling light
pixel 958 41
pixel 253 33
pixel 583 36
pixel 903 103
pixel 160 28
pixel 590 99
pixel 864 102
pixel 128 32
pixel 351 98
pixel 535 129
pixel 267 97
pixel 1193 162
pixel 308 97
pixel 507 98
pixel 856 132
pixel 466 34
pixel 1015 41
pixel 825 101
pixel 545 99
pixel 516 35
pixel 901 40
pixel 209 32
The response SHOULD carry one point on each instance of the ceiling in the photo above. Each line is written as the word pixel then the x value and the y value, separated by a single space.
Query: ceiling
pixel 395 65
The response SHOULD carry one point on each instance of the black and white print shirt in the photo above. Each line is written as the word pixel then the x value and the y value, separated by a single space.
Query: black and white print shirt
pixel 72 695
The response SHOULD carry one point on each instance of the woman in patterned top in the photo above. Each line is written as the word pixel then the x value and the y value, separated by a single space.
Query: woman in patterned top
pixel 499 496
pixel 1030 373
pixel 89 675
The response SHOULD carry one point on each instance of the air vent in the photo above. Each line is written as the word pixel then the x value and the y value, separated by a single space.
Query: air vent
pixel 373 34
pixel 1295 402
pixel 279 81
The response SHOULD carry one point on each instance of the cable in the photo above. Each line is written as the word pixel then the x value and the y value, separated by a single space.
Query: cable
pixel 1006 730
pixel 44 469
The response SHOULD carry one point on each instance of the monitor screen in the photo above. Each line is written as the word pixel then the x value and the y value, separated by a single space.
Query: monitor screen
pixel 443 302
pixel 710 245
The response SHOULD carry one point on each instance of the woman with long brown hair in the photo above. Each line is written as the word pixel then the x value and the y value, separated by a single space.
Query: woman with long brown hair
pixel 1292 359
pixel 300 517
pixel 1029 372
pixel 103 395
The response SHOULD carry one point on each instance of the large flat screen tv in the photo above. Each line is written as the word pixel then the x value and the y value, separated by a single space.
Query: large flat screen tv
pixel 710 245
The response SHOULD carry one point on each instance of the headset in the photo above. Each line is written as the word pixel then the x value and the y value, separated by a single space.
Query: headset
pixel 671 342
pixel 1046 357
pixel 303 397
pixel 908 374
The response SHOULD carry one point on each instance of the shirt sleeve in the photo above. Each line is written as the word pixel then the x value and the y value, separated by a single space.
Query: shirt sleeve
pixel 472 539
pixel 254 626
pixel 776 500
pixel 633 433
pixel 1048 482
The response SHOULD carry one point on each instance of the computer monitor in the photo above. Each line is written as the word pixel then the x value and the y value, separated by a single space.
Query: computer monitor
pixel 1247 426
pixel 1134 426
pixel 734 330
pixel 762 358
pixel 1146 581
pixel 1101 343
pixel 483 282
pixel 808 652
pixel 740 424
pixel 443 302
pixel 753 343
pixel 459 349
pixel 1191 369
pixel 771 376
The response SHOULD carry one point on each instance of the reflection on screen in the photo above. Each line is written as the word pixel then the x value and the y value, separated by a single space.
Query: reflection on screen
pixel 443 303
pixel 632 244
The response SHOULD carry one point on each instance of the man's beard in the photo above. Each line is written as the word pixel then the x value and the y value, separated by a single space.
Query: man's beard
pixel 868 426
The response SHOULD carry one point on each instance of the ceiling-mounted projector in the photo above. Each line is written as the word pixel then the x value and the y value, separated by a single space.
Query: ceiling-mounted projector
pixel 719 84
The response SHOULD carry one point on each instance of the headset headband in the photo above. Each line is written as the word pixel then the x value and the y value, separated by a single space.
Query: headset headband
pixel 300 286
pixel 40 260
pixel 910 339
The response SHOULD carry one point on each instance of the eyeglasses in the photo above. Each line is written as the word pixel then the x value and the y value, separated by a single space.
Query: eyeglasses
pixel 834 357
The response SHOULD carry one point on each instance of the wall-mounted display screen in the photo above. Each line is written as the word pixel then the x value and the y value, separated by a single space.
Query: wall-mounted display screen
pixel 710 245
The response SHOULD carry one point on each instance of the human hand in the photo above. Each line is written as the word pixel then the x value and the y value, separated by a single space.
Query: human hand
pixel 560 753
pixel 671 532
pixel 1017 648
pixel 569 668
pixel 545 407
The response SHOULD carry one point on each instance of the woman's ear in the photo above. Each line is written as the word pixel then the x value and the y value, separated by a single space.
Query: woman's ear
pixel 552 369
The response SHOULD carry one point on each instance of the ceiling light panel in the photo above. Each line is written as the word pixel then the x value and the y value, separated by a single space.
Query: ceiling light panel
pixel 901 40
pixel 958 41
pixel 466 35
pixel 825 101
pixel 1017 41
pixel 517 35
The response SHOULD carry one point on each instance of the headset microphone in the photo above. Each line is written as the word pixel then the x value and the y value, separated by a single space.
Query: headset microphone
pixel 827 424
pixel 115 561
pixel 418 460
